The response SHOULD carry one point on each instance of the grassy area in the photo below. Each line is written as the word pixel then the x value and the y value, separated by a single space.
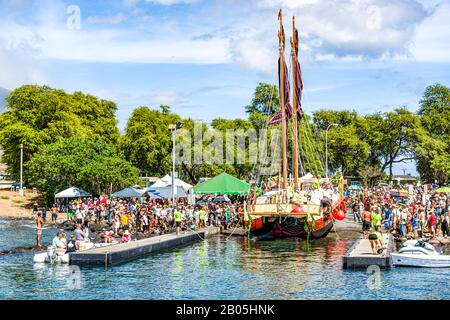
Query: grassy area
pixel 18 201
pixel 4 197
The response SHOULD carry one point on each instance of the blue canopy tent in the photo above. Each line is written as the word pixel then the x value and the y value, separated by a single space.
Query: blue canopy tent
pixel 166 192
pixel 130 193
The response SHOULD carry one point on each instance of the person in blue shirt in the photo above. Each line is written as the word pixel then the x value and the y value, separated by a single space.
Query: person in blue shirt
pixel 387 218
pixel 415 226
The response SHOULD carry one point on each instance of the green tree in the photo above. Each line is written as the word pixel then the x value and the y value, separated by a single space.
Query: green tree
pixel 323 118
pixel 435 111
pixel 392 137
pixel 191 170
pixel 347 151
pixel 147 142
pixel 434 147
pixel 39 115
pixel 93 165
pixel 265 99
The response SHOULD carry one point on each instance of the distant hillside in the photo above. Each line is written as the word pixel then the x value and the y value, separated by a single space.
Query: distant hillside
pixel 3 94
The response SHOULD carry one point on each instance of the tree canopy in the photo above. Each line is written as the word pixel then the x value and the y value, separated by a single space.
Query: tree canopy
pixel 39 115
pixel 92 165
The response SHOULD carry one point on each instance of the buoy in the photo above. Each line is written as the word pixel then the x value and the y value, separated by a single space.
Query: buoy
pixel 339 215
pixel 298 210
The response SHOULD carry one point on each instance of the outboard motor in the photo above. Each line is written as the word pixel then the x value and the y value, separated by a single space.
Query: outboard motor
pixel 50 254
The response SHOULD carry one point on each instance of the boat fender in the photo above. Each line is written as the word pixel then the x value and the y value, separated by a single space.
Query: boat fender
pixel 339 215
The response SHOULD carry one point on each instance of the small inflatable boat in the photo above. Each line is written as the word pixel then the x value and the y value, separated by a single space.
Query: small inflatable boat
pixel 55 256
pixel 51 256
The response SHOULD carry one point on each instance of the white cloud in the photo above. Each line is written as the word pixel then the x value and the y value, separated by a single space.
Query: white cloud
pixel 432 38
pixel 17 64
pixel 366 27
pixel 243 32
pixel 114 45
pixel 253 55
pixel 329 30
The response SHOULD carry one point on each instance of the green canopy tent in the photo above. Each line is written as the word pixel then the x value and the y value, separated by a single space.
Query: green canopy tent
pixel 443 190
pixel 223 184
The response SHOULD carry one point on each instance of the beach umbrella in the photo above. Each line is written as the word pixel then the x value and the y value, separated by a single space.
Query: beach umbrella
pixel 443 190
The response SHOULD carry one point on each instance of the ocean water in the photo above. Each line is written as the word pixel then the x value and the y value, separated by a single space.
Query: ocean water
pixel 217 268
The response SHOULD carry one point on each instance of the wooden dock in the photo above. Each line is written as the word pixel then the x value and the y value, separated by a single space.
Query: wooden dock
pixel 120 253
pixel 360 255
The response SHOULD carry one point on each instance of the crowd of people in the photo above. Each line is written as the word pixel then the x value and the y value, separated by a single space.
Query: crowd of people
pixel 414 213
pixel 118 220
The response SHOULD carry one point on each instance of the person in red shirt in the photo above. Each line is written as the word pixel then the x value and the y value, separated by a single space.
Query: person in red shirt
pixel 432 223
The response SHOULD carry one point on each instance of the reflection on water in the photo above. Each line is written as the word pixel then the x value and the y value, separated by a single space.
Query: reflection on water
pixel 218 269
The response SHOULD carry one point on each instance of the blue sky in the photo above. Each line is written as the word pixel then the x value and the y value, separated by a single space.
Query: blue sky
pixel 205 57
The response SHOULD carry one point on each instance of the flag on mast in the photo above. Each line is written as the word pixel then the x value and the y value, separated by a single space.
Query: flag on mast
pixel 276 119
pixel 297 73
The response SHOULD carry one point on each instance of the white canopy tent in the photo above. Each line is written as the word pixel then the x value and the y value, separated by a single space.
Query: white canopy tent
pixel 167 181
pixel 308 178
pixel 72 192
pixel 186 188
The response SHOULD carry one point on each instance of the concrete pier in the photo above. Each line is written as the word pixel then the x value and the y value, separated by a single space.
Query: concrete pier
pixel 116 254
pixel 360 255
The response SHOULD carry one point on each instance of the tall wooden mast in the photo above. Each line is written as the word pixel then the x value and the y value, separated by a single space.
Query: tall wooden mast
pixel 294 46
pixel 282 100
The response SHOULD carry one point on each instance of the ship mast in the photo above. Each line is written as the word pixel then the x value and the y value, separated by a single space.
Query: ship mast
pixel 282 100
pixel 294 46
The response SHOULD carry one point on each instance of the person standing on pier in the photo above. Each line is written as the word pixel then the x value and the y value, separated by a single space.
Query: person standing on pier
pixel 178 217
pixel 367 217
pixel 356 212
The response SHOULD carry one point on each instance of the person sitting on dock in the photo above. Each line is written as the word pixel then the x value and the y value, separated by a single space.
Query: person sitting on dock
pixel 126 237
pixel 79 236
pixel 59 243
pixel 71 244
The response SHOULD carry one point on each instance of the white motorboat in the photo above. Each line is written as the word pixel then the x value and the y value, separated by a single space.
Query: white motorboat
pixel 421 254
pixel 53 256
pixel 412 243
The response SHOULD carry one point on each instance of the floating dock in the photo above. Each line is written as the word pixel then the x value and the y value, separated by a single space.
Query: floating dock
pixel 360 255
pixel 120 253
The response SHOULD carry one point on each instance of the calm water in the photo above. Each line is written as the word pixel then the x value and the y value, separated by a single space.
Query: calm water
pixel 215 269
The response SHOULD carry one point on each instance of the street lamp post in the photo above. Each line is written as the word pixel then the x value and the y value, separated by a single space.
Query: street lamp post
pixel 21 170
pixel 326 148
pixel 173 128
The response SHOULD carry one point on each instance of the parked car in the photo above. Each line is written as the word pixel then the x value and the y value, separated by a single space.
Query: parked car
pixel 355 185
